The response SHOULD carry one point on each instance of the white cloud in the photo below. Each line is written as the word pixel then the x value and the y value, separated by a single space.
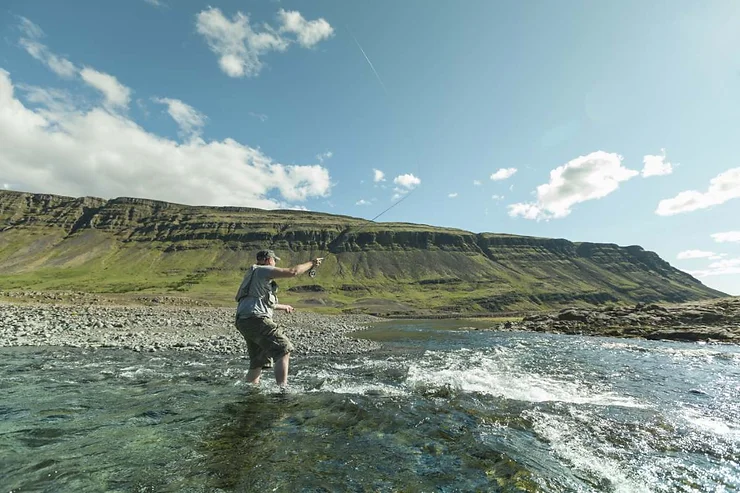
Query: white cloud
pixel 727 237
pixel 452 195
pixel 476 183
pixel 30 42
pixel 503 174
pixel 720 268
pixel 240 46
pixel 407 181
pixel 324 156
pixel 189 119
pixel 497 197
pixel 723 187
pixel 116 94
pixel 237 44
pixel 378 175
pixel 527 211
pixel 363 202
pixel 96 152
pixel 260 116
pixel 29 29
pixel 142 107
pixel 656 165
pixel 155 3
pixel 589 177
pixel 49 100
pixel 309 33
pixel 691 254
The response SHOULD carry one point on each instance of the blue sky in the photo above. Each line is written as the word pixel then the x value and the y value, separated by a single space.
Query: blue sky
pixel 591 121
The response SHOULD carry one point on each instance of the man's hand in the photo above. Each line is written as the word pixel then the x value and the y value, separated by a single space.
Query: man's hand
pixel 287 308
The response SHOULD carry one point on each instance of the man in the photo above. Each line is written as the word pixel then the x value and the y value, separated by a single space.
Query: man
pixel 257 300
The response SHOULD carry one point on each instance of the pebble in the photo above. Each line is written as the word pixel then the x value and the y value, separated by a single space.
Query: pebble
pixel 158 328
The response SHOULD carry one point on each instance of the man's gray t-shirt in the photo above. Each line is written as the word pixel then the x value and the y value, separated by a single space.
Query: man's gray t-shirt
pixel 256 301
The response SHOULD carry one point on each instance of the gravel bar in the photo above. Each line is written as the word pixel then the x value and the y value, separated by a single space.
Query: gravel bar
pixel 157 328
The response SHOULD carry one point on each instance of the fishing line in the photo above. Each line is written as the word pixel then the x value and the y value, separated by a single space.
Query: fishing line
pixel 368 61
pixel 406 195
pixel 312 272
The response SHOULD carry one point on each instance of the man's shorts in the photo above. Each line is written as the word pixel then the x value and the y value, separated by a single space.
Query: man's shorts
pixel 265 340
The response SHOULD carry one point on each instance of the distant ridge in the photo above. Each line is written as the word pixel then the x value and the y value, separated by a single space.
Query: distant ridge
pixel 136 245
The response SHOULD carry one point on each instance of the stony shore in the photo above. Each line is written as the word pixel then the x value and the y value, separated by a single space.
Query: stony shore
pixel 157 328
pixel 156 323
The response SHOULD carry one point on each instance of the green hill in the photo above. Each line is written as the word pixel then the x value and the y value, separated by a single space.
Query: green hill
pixel 128 245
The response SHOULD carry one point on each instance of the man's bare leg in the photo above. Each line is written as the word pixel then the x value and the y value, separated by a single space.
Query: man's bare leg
pixel 253 375
pixel 281 369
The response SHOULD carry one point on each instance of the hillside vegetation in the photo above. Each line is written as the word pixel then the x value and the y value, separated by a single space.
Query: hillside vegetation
pixel 146 247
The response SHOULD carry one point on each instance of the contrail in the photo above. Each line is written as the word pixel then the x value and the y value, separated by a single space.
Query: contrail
pixel 369 62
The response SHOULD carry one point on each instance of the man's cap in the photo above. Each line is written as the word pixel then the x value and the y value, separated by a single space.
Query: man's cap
pixel 263 255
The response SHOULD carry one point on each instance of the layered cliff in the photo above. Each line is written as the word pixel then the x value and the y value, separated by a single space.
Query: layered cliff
pixel 136 245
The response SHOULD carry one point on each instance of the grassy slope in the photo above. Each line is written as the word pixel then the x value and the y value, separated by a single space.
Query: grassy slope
pixel 201 252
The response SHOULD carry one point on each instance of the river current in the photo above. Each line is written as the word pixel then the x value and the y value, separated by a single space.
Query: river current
pixel 441 408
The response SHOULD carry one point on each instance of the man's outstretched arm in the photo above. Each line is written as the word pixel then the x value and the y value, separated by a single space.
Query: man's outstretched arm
pixel 296 270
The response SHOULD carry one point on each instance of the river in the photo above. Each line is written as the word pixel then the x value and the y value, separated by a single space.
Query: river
pixel 443 407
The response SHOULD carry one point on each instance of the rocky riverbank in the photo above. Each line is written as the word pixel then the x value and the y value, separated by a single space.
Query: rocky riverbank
pixel 717 320
pixel 172 326
pixel 154 323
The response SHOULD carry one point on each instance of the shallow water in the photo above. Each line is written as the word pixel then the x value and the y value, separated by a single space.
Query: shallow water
pixel 438 409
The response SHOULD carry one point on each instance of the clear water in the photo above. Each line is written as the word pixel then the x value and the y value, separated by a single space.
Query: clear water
pixel 438 409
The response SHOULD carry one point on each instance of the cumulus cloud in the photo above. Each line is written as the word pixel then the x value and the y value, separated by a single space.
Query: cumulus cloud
pixel 378 175
pixel 190 120
pixel 240 45
pixel 723 187
pixel 656 165
pixel 727 237
pixel 407 181
pixel 589 177
pixel 404 184
pixel 117 96
pixel 308 33
pixel 526 210
pixel 719 268
pixel 237 44
pixel 96 152
pixel 691 254
pixel 363 202
pixel 503 174
pixel 452 195
pixel 497 197
pixel 30 42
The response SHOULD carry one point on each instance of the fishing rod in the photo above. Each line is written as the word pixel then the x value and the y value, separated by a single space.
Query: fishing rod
pixel 312 272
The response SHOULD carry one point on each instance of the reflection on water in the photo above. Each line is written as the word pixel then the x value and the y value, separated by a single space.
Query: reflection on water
pixel 440 408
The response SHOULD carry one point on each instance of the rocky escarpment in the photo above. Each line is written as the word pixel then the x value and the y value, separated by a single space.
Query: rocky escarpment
pixel 708 321
pixel 132 245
